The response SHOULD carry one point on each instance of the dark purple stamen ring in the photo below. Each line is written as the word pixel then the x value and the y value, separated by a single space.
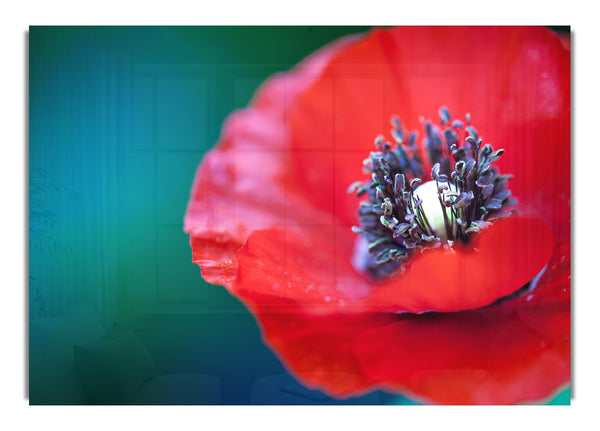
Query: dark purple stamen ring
pixel 470 192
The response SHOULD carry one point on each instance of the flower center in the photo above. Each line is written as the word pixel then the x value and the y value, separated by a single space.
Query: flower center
pixel 432 210
pixel 403 214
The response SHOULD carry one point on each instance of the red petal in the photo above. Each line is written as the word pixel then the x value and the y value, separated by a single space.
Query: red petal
pixel 515 351
pixel 488 356
pixel 317 349
pixel 240 185
pixel 515 81
pixel 508 256
pixel 312 265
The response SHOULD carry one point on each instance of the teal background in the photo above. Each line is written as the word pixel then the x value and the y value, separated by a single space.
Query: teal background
pixel 119 119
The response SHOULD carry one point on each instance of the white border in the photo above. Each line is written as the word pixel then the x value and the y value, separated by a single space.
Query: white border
pixel 15 22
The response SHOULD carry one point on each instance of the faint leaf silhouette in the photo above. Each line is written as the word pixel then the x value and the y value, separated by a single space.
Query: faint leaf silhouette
pixel 43 217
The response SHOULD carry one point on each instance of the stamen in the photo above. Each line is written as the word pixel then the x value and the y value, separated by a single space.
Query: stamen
pixel 404 213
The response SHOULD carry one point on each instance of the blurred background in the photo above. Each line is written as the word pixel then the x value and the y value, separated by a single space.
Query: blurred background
pixel 119 119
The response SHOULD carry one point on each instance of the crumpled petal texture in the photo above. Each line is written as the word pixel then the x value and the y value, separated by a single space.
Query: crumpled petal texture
pixel 312 266
pixel 241 185
pixel 269 218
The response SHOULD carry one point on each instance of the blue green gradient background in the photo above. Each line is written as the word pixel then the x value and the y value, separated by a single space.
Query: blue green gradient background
pixel 119 120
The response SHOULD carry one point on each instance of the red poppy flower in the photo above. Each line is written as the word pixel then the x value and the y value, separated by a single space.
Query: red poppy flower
pixel 270 218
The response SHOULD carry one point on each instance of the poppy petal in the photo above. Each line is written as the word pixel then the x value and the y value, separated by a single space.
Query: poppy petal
pixel 312 266
pixel 316 348
pixel 515 351
pixel 504 258
pixel 240 186
pixel 309 265
pixel 514 81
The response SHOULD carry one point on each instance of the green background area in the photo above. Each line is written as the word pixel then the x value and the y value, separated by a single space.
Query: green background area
pixel 119 120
